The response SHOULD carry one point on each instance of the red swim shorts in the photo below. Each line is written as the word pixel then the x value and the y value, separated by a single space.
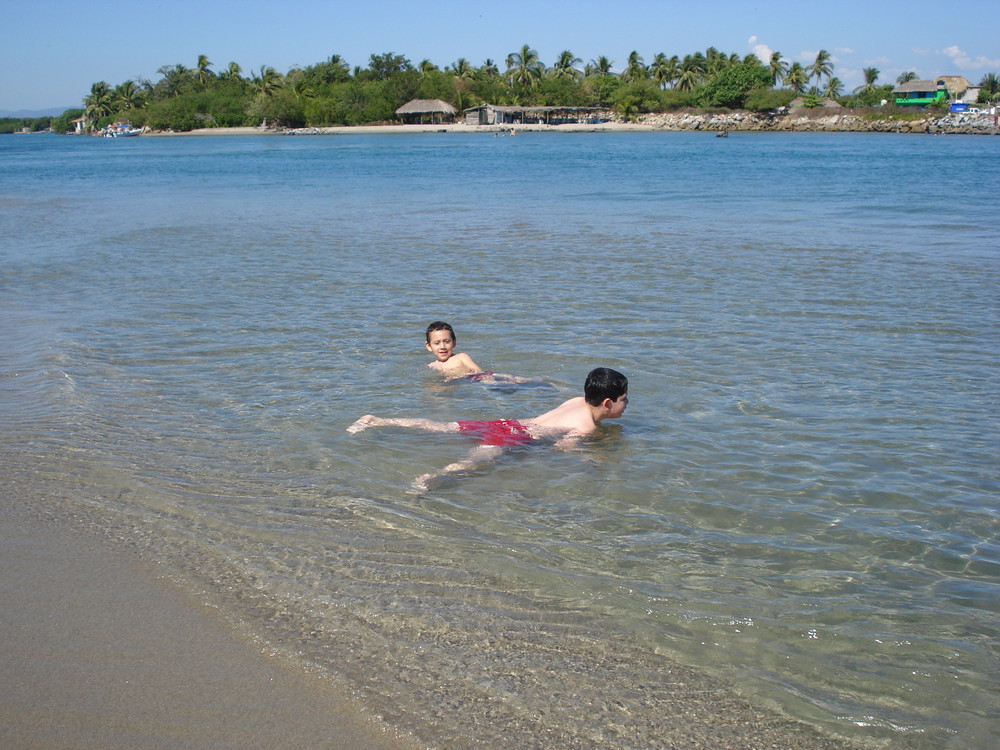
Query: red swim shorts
pixel 505 432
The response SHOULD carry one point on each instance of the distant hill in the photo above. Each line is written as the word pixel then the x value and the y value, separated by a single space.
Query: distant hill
pixel 50 112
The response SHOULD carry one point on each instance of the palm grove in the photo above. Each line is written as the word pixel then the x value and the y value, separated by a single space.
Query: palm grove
pixel 332 93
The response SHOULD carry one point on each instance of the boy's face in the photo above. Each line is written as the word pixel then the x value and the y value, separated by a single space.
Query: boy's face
pixel 618 407
pixel 441 345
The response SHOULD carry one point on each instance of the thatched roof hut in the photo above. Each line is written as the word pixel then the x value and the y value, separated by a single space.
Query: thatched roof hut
pixel 918 87
pixel 956 85
pixel 419 111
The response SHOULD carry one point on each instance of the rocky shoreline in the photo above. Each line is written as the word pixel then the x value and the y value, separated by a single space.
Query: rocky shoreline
pixel 824 121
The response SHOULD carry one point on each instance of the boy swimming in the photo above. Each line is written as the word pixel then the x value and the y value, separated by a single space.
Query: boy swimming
pixel 605 396
pixel 441 342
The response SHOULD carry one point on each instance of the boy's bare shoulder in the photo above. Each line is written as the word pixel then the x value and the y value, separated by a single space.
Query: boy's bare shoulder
pixel 573 416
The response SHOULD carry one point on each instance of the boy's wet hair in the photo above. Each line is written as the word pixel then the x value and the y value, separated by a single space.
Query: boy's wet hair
pixel 440 325
pixel 602 383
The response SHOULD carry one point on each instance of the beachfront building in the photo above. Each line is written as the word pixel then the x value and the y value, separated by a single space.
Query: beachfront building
pixel 516 114
pixel 957 87
pixel 426 111
pixel 921 93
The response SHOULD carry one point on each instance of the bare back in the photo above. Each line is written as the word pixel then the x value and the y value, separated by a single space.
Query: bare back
pixel 571 418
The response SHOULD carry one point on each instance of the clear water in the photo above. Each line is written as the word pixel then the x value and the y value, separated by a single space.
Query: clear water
pixel 799 503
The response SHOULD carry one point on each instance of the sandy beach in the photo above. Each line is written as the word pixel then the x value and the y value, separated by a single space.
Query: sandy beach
pixel 404 129
pixel 102 652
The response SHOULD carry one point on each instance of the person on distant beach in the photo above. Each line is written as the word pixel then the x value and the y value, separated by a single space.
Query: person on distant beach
pixel 441 342
pixel 605 396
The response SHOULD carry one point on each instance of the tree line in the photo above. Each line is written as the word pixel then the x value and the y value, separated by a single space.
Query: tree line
pixel 333 93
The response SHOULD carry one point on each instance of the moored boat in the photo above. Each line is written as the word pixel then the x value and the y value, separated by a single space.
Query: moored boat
pixel 121 131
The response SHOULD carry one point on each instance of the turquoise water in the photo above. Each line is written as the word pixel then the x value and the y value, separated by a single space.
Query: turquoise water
pixel 800 502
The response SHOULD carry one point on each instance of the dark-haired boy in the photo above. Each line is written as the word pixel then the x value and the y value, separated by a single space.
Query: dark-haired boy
pixel 605 397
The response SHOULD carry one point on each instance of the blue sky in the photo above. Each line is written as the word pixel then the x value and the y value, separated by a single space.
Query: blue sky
pixel 55 49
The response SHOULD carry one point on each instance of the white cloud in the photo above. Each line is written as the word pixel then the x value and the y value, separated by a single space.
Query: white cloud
pixel 762 51
pixel 964 61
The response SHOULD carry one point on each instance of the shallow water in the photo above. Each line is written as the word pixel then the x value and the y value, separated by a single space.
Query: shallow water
pixel 799 501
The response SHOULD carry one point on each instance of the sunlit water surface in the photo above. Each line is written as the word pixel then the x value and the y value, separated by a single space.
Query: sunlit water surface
pixel 799 502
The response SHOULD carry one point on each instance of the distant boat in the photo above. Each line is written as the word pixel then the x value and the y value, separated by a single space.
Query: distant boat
pixel 722 134
pixel 121 131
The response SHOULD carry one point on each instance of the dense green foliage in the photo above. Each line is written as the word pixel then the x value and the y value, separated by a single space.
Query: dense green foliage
pixel 331 93
pixel 17 124
pixel 729 88
pixel 64 122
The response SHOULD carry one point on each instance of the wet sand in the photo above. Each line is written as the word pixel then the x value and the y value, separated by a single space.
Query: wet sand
pixel 102 652
pixel 99 652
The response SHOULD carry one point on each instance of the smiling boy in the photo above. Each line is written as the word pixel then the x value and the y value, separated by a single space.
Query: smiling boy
pixel 441 342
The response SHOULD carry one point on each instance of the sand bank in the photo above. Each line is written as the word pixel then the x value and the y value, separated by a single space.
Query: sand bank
pixel 101 653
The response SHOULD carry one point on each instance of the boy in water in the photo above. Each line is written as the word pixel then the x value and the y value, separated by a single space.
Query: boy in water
pixel 441 342
pixel 605 396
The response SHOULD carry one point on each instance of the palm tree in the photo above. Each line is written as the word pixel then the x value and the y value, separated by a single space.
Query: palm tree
pixel 126 96
pixel 687 80
pixel 268 81
pixel 636 68
pixel 462 69
pixel 664 69
pixel 600 67
pixel 98 102
pixel 489 68
pixel 426 66
pixel 906 77
pixel 778 68
pixel 834 88
pixel 300 85
pixel 565 66
pixel 715 61
pixel 692 70
pixel 697 62
pixel 871 75
pixel 201 72
pixel 990 86
pixel 821 67
pixel 232 72
pixel 796 78
pixel 524 68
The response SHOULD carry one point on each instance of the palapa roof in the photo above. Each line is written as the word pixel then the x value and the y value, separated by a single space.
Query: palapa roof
pixel 916 86
pixel 956 85
pixel 426 107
